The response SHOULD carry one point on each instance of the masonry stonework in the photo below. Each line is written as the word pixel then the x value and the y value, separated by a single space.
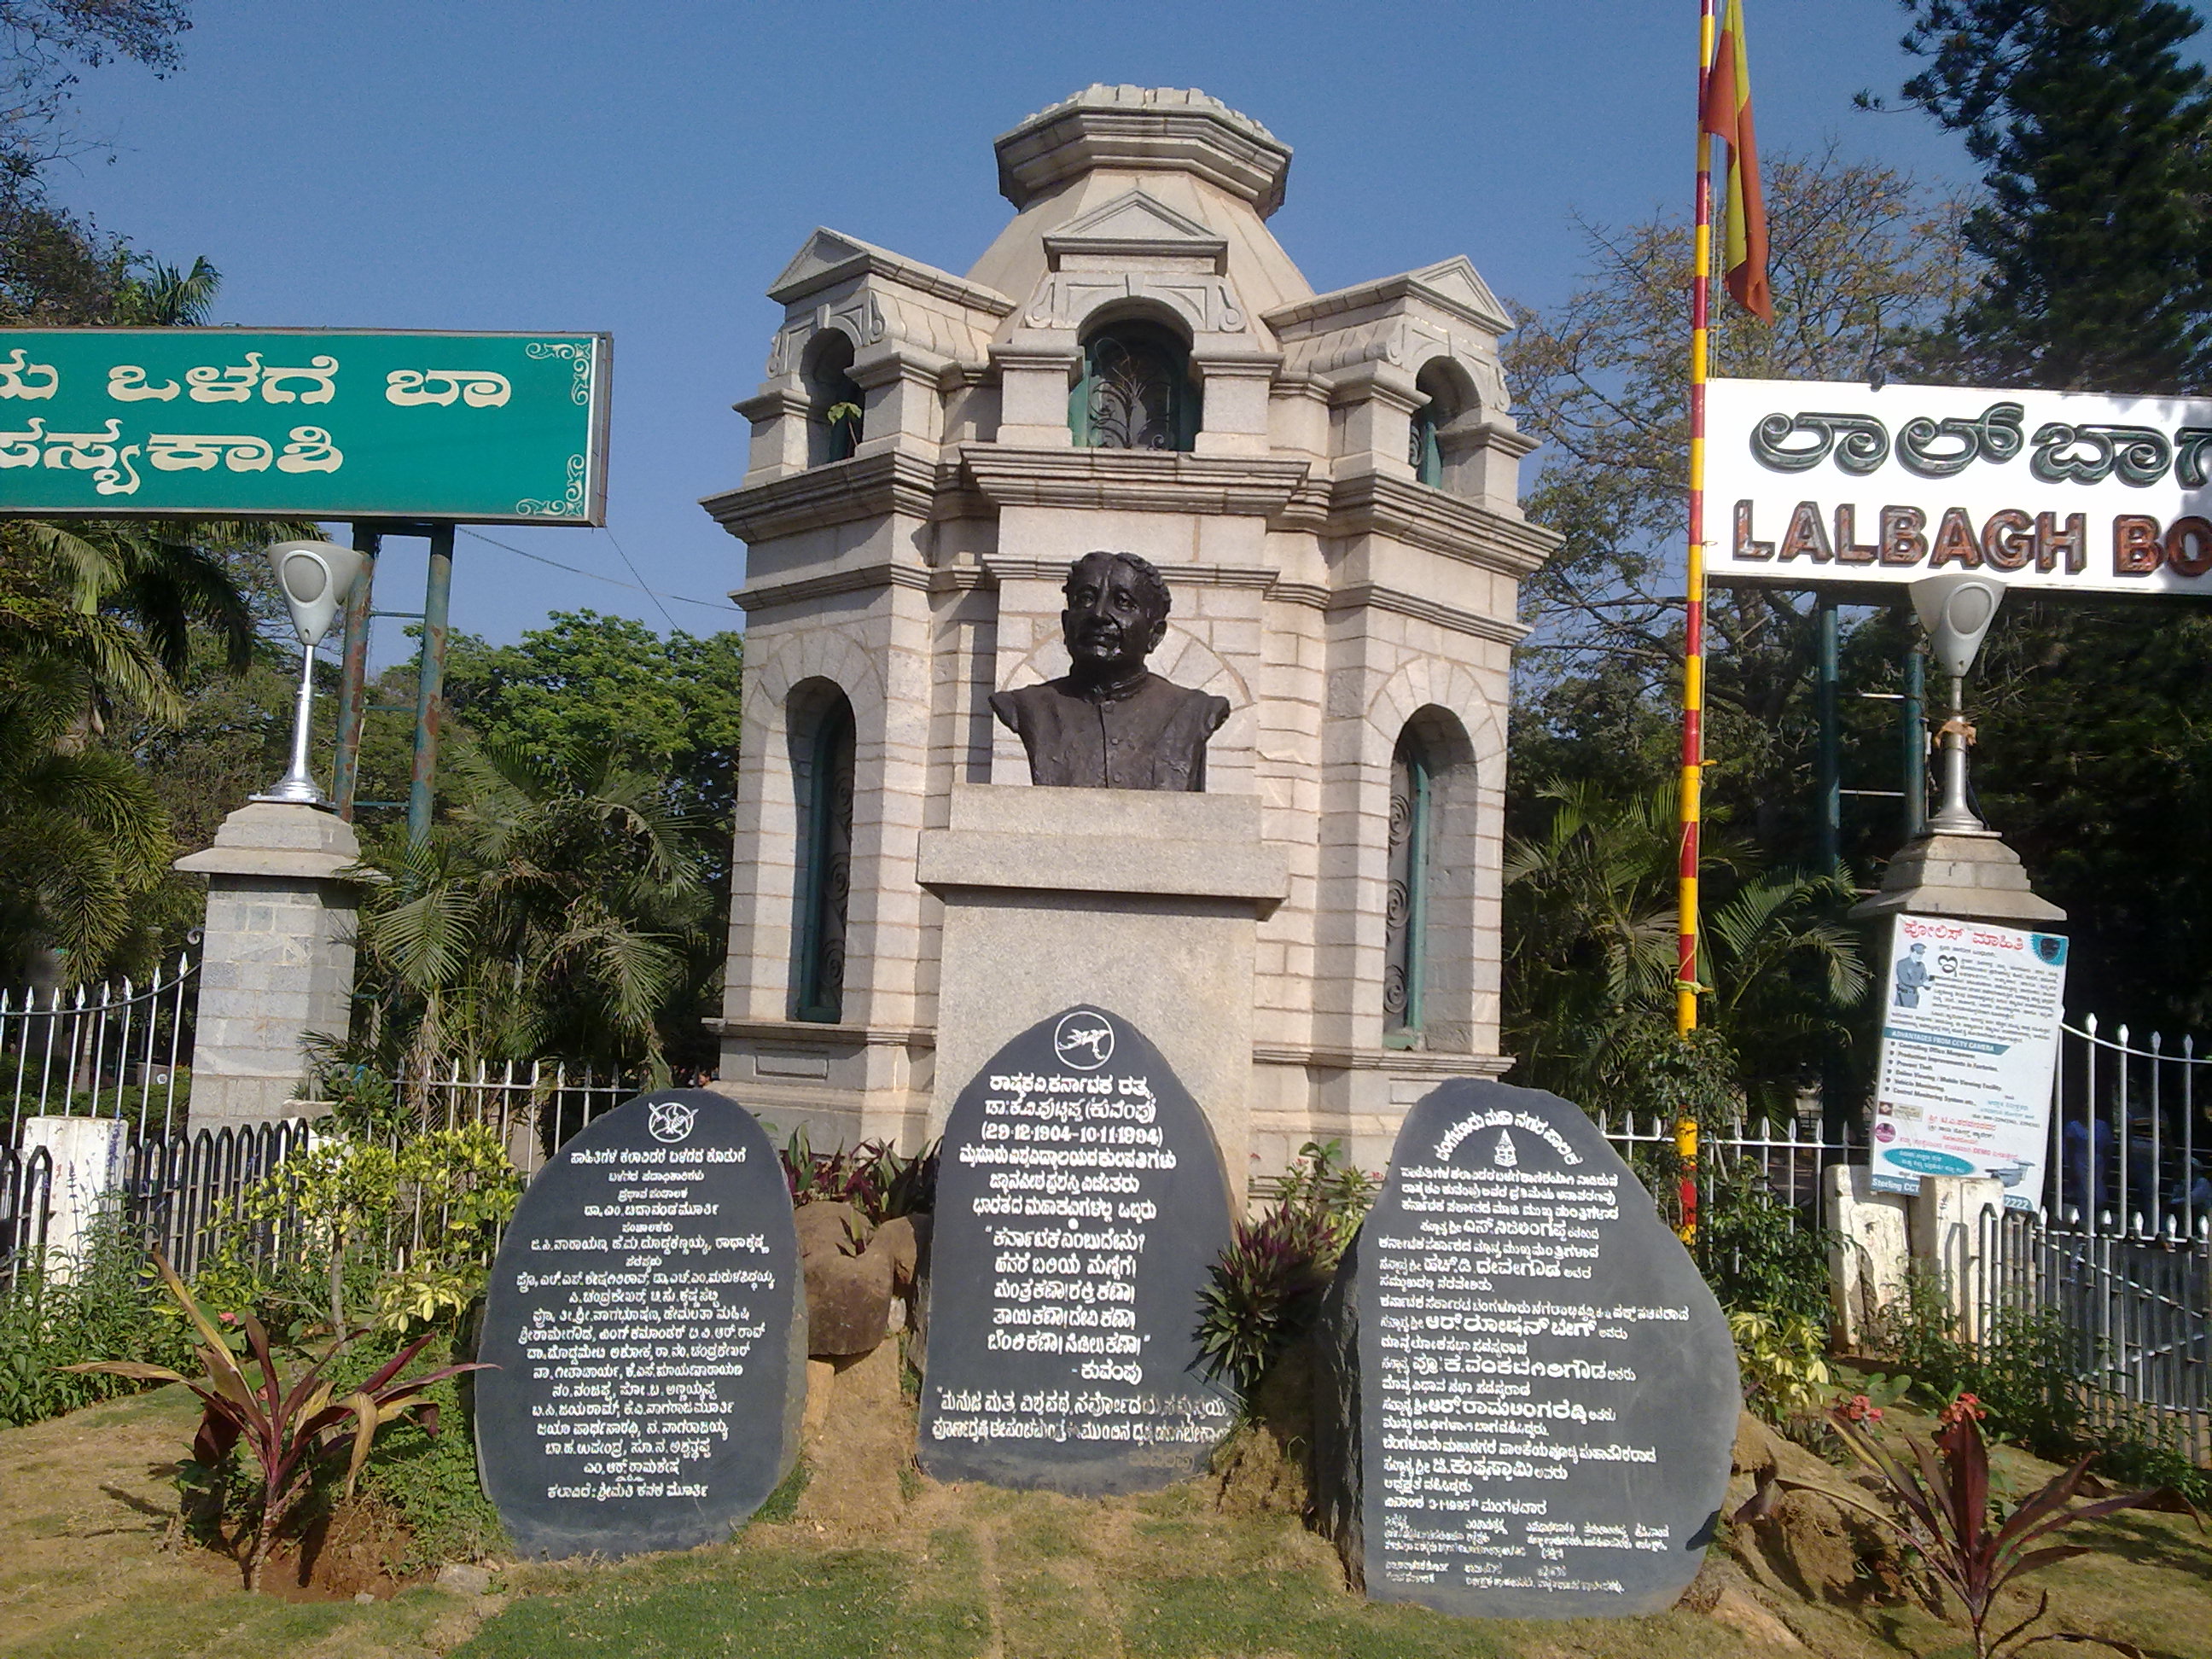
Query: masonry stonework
pixel 1333 583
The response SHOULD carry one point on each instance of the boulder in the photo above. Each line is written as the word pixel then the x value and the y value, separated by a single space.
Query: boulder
pixel 830 1228
pixel 849 1301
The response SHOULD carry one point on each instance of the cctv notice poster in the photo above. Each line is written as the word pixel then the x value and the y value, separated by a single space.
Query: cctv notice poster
pixel 1829 484
pixel 1969 1041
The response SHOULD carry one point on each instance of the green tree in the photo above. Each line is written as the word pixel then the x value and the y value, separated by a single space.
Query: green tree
pixel 47 43
pixel 1864 262
pixel 560 911
pixel 2095 233
pixel 1591 952
pixel 2092 757
pixel 84 842
pixel 586 681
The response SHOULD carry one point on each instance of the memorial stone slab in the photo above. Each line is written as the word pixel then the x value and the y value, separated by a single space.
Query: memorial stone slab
pixel 1080 1200
pixel 1528 1394
pixel 646 1318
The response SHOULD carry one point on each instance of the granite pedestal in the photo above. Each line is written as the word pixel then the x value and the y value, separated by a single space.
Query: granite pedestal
pixel 276 959
pixel 1141 902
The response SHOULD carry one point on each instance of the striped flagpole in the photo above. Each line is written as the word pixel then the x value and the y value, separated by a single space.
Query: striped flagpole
pixel 1693 624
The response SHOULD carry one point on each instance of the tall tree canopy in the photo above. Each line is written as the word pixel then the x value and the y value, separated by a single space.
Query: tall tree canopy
pixel 1862 260
pixel 2095 232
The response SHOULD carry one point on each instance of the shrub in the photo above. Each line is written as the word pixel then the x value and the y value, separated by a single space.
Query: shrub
pixel 1783 1360
pixel 1267 1286
pixel 879 1183
pixel 290 1427
pixel 1940 1506
pixel 352 1223
pixel 1758 1255
pixel 2024 1371
pixel 105 1307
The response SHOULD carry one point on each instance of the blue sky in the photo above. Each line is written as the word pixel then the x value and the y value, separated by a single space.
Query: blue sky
pixel 646 168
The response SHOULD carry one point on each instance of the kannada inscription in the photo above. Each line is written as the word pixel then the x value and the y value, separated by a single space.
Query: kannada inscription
pixel 1548 1387
pixel 1080 1201
pixel 644 1314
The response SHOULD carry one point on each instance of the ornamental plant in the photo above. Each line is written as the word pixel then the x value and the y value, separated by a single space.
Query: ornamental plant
pixel 291 1428
pixel 1940 1506
pixel 1265 1289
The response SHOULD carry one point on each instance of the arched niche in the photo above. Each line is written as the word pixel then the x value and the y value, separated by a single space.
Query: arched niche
pixel 1135 387
pixel 1431 873
pixel 1444 426
pixel 821 735
pixel 834 399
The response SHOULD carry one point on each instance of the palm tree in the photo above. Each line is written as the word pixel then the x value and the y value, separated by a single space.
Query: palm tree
pixel 549 916
pixel 84 837
pixel 1590 951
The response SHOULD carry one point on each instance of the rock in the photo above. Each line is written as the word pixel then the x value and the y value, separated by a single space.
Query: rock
pixel 864 1443
pixel 1808 1547
pixel 365 1599
pixel 827 1227
pixel 848 1301
pixel 594 1206
pixel 895 1239
pixel 465 1578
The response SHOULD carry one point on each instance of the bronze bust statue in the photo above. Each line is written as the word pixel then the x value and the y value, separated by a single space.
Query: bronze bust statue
pixel 1109 723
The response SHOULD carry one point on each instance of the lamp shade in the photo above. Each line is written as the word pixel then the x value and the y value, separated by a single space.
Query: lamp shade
pixel 315 577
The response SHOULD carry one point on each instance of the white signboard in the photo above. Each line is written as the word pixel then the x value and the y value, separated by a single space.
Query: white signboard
pixel 1822 482
pixel 1969 1040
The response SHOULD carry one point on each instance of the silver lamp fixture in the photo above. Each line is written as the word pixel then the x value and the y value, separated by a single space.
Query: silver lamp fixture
pixel 1956 611
pixel 315 577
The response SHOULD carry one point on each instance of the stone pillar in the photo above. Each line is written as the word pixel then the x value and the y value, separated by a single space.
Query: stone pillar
pixel 276 961
pixel 1146 904
pixel 1869 1254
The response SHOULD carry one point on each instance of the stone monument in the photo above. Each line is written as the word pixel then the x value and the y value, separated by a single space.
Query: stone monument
pixel 1295 892
pixel 1080 1200
pixel 646 1318
pixel 1527 1394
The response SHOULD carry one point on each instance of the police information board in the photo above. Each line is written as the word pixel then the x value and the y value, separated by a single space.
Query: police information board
pixel 1970 1013
pixel 303 423
pixel 1836 485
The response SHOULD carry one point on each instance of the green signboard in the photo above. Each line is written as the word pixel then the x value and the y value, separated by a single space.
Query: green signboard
pixel 303 423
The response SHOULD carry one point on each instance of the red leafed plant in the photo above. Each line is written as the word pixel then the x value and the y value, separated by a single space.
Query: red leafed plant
pixel 288 1429
pixel 1940 1506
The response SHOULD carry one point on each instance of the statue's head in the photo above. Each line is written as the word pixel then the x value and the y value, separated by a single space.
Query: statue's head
pixel 1117 613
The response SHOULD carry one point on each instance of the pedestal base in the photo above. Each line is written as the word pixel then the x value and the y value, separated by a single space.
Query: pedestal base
pixel 277 960
pixel 1144 904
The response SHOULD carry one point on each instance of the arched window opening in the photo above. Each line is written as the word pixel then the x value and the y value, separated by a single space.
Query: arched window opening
pixel 1405 913
pixel 1137 391
pixel 834 399
pixel 1441 405
pixel 822 761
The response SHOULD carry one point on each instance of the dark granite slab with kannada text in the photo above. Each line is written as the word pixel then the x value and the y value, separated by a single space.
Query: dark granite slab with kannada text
pixel 646 1316
pixel 1526 1395
pixel 1080 1201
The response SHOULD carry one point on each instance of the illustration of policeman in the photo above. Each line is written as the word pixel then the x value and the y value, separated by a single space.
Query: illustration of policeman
pixel 1912 976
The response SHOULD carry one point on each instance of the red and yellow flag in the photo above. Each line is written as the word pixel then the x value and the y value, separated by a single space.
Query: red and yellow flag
pixel 1727 115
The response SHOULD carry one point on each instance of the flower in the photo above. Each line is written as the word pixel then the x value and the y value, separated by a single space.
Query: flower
pixel 1965 1407
pixel 1860 1409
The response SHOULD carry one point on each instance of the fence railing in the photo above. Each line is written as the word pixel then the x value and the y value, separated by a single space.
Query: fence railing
pixel 534 1106
pixel 2127 1157
pixel 112 1050
pixel 2137 1310
pixel 1786 1157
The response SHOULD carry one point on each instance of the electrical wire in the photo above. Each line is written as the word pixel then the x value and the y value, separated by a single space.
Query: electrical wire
pixel 637 586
